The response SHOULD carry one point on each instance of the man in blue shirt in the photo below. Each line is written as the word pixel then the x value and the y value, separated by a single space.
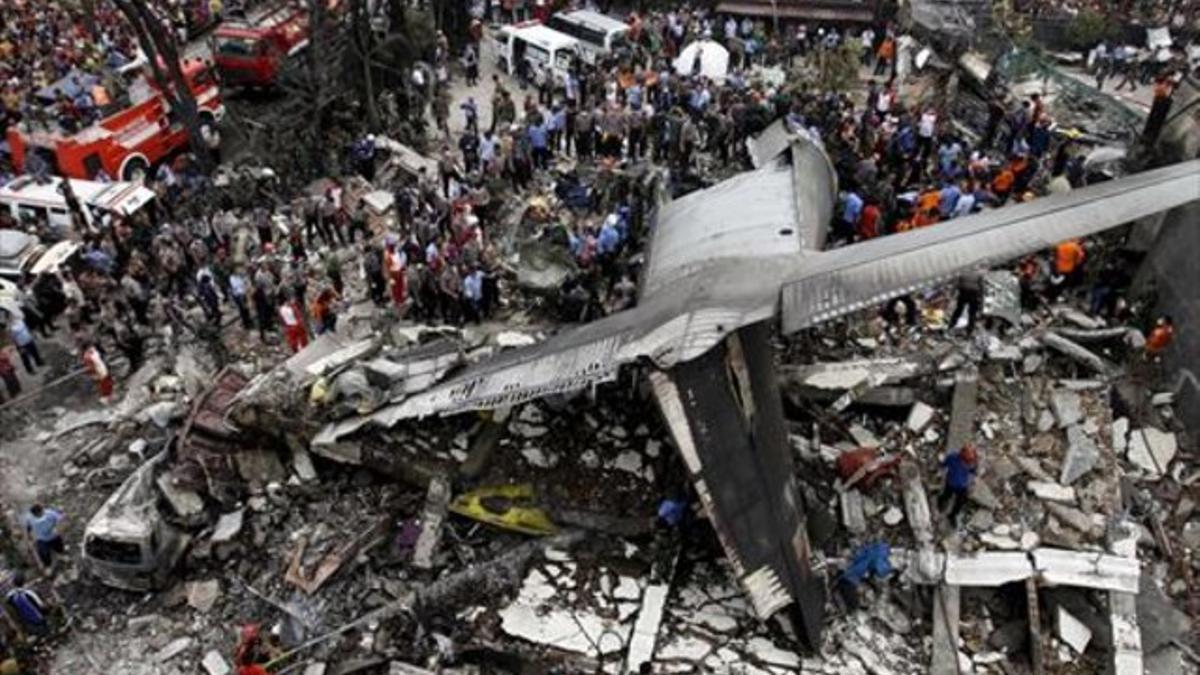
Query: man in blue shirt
pixel 41 524
pixel 960 471
pixel 609 239
pixel 949 199
pixel 539 143
pixel 852 206
pixel 27 347
pixel 472 289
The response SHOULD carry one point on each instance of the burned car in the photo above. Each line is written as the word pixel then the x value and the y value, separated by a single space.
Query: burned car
pixel 128 543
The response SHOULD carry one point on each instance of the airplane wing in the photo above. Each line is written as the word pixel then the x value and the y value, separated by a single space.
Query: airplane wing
pixel 833 283
pixel 663 331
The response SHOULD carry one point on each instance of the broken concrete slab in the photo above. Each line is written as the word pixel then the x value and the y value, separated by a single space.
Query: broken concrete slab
pixel 174 648
pixel 260 467
pixel 302 464
pixel 1067 407
pixel 919 417
pixel 1120 435
pixel 1075 351
pixel 203 595
pixel 962 408
pixel 228 526
pixel 187 504
pixel 945 631
pixel 853 516
pixel 1100 571
pixel 1152 450
pixel 1082 455
pixel 1072 631
pixel 1075 519
pixel 437 503
pixel 1052 492
pixel 215 664
pixel 645 629
pixel 989 569
pixel 848 374
pixel 864 437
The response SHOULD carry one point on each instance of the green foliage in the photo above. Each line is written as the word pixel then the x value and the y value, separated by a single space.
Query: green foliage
pixel 837 69
pixel 1087 28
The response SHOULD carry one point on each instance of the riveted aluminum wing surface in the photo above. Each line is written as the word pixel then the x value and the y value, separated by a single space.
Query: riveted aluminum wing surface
pixel 833 283
pixel 781 209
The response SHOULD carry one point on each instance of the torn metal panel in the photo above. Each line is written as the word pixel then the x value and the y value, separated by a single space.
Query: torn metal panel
pixel 331 563
pixel 769 143
pixel 301 364
pixel 209 413
pixel 1002 296
pixel 724 412
pixel 837 282
pixel 1091 570
pixel 334 360
pixel 416 369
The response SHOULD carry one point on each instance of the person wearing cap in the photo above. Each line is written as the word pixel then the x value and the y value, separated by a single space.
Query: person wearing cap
pixel 960 471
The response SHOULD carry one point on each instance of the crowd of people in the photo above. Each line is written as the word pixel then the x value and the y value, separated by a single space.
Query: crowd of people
pixel 280 266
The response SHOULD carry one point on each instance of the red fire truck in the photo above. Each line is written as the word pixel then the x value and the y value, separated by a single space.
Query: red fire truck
pixel 126 143
pixel 252 51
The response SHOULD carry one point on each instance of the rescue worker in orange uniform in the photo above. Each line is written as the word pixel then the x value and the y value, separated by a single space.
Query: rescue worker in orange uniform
pixel 1069 257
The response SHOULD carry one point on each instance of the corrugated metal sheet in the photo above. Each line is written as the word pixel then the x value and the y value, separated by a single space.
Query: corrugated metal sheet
pixel 837 282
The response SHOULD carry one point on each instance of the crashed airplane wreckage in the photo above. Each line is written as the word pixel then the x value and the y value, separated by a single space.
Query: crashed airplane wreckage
pixel 722 264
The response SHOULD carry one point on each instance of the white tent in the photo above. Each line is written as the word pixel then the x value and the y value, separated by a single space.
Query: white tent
pixel 712 57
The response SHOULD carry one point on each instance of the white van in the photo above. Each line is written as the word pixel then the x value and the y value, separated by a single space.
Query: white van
pixel 598 34
pixel 25 197
pixel 539 46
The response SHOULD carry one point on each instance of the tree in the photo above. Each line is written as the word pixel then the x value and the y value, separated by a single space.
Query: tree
pixel 1087 28
pixel 158 44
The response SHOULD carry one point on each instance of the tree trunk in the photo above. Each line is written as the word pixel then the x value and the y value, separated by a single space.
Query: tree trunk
pixel 158 44
pixel 364 39
pixel 316 77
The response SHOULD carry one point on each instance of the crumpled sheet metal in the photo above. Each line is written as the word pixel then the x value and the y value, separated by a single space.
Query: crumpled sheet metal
pixel 1002 296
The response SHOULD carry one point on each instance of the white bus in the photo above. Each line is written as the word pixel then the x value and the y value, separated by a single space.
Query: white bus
pixel 598 34
pixel 538 46
pixel 26 197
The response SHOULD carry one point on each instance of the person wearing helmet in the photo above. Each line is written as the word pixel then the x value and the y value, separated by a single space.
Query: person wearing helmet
pixel 960 471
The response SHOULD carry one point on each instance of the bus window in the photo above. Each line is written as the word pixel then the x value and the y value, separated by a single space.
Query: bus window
pixel 35 214
pixel 562 59
pixel 536 55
